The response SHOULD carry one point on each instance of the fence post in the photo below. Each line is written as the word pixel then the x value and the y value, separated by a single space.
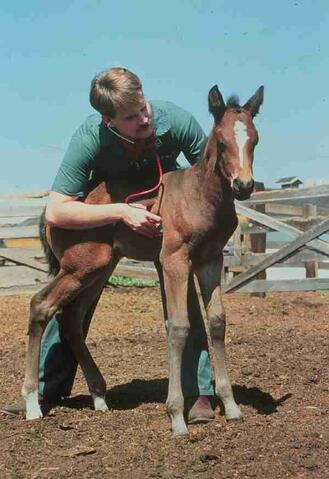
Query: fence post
pixel 311 267
pixel 258 241
pixel 237 252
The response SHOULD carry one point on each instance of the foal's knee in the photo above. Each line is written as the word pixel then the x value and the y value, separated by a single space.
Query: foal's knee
pixel 217 325
pixel 179 334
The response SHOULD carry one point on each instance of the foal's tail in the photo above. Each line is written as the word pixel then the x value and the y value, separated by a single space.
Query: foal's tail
pixel 53 263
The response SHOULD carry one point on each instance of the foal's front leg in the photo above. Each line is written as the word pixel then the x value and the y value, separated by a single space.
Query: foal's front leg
pixel 209 281
pixel 175 271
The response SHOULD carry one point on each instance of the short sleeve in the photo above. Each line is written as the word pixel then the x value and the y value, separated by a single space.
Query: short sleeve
pixel 74 172
pixel 188 133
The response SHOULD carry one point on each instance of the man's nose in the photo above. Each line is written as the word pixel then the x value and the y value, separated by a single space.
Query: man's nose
pixel 143 119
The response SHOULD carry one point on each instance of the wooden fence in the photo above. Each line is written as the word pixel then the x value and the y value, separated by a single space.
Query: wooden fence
pixel 305 250
pixel 302 215
pixel 299 215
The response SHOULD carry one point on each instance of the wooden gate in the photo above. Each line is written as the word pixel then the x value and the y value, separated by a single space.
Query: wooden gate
pixel 297 207
pixel 318 251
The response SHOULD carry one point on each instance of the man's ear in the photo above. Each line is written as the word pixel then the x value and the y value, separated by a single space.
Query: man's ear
pixel 107 120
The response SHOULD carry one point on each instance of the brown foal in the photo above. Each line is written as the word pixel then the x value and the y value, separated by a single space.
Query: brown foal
pixel 198 218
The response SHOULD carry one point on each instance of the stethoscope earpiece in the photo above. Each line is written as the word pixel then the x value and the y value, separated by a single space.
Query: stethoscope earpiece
pixel 110 128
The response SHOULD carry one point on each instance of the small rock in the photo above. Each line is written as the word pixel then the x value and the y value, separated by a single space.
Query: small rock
pixel 247 370
pixel 207 457
pixel 65 427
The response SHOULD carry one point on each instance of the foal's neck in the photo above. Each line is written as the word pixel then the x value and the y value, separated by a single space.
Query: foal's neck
pixel 216 188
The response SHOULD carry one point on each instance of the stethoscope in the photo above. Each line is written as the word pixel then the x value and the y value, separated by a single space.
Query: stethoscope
pixel 157 157
pixel 116 133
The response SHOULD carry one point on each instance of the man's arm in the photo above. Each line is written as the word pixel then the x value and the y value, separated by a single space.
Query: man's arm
pixel 66 212
pixel 63 209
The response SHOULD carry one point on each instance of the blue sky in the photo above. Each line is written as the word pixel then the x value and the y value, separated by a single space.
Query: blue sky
pixel 49 52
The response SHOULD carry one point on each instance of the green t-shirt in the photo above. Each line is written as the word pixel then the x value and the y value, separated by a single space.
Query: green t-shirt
pixel 95 154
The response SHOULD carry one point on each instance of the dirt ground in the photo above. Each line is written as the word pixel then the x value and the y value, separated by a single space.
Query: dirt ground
pixel 277 352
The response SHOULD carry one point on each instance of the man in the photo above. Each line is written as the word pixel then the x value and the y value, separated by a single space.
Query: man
pixel 114 144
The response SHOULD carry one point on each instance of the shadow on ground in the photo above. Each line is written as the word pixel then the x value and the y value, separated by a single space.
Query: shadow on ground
pixel 140 391
pixel 263 402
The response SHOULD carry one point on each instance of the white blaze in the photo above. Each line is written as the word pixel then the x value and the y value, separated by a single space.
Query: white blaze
pixel 241 137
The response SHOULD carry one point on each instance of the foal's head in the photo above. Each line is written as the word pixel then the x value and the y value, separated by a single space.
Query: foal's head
pixel 236 138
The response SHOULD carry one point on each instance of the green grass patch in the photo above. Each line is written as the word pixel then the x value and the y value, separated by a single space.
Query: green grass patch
pixel 117 280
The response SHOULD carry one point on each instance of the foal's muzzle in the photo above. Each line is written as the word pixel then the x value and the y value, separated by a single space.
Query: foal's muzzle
pixel 241 190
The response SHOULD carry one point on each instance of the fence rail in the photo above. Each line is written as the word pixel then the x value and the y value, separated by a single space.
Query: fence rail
pixel 250 252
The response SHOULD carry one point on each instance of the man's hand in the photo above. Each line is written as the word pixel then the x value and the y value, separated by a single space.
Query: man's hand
pixel 142 221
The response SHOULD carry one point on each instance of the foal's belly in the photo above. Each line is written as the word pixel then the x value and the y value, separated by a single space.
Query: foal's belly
pixel 132 245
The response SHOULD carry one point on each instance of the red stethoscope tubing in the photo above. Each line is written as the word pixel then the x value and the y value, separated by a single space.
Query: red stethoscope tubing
pixel 155 188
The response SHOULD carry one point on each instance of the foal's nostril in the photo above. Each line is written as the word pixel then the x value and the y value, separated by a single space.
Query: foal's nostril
pixel 250 185
pixel 242 191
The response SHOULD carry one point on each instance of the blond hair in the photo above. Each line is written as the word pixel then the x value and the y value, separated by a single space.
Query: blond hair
pixel 114 89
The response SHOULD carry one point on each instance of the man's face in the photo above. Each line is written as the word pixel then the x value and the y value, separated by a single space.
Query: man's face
pixel 135 122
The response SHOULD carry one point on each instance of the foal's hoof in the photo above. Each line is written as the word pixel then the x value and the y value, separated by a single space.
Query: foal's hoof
pixel 180 433
pixel 33 412
pixel 179 428
pixel 234 414
pixel 100 404
pixel 32 416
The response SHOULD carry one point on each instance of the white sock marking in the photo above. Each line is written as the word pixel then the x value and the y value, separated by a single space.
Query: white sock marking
pixel 33 410
pixel 100 404
pixel 241 137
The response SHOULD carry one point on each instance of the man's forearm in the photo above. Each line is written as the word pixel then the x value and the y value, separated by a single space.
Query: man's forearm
pixel 76 215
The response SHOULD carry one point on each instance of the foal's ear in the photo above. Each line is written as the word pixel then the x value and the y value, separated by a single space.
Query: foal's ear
pixel 254 103
pixel 216 103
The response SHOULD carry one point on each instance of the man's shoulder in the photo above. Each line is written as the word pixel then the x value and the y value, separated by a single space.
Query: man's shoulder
pixel 91 124
pixel 89 132
pixel 166 106
pixel 168 116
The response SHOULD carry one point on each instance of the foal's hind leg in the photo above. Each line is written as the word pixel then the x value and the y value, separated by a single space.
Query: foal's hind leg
pixel 72 326
pixel 43 306
pixel 209 281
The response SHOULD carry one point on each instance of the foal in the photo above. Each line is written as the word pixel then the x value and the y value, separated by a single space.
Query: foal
pixel 198 218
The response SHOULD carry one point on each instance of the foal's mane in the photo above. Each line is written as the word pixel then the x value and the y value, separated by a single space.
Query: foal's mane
pixel 233 102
